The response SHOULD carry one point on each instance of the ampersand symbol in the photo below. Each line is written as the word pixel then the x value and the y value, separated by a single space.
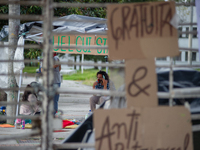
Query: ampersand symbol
pixel 133 83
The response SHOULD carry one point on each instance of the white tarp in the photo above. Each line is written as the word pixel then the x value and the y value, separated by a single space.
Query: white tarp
pixel 19 55
pixel 4 66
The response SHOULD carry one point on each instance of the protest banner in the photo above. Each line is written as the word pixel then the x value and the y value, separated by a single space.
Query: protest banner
pixel 80 40
pixel 149 128
pixel 141 30
pixel 102 41
pixel 141 83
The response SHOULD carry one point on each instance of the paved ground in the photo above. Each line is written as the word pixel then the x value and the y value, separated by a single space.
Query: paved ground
pixel 73 106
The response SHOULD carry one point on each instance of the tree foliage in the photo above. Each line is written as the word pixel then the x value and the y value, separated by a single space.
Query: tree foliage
pixel 92 12
pixel 32 53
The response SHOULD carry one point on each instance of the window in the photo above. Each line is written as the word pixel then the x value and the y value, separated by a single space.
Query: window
pixel 186 56
pixel 161 58
pixel 194 56
pixel 195 34
pixel 180 30
pixel 178 58
pixel 187 30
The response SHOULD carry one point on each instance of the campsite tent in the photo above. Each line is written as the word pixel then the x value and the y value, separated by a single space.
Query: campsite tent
pixel 73 27
pixel 73 24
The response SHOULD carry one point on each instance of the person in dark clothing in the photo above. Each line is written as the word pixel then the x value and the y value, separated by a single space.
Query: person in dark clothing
pixel 101 83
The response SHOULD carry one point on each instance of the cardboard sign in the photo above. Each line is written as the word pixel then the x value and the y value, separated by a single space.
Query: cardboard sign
pixel 85 40
pixel 141 30
pixel 141 83
pixel 158 128
pixel 102 40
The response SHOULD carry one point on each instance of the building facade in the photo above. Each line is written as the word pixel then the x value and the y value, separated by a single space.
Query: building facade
pixel 183 39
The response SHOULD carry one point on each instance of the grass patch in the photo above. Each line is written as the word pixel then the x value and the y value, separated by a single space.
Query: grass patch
pixel 88 77
pixel 89 82
pixel 29 69
pixel 89 74
pixel 59 138
pixel 198 69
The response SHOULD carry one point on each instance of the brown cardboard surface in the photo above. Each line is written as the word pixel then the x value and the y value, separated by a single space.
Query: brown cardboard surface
pixel 141 83
pixel 101 40
pixel 64 40
pixel 81 40
pixel 152 128
pixel 137 29
pixel 166 48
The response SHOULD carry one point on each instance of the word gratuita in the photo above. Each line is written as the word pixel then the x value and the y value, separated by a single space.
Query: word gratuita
pixel 144 18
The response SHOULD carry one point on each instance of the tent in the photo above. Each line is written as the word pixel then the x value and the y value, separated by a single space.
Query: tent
pixel 73 27
pixel 71 24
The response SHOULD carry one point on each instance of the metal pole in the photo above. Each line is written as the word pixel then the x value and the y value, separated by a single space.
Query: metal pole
pixel 106 57
pixel 47 116
pixel 107 67
pixel 82 60
pixel 190 36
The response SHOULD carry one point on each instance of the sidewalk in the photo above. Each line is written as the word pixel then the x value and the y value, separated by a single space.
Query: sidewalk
pixel 58 137
pixel 73 107
pixel 65 84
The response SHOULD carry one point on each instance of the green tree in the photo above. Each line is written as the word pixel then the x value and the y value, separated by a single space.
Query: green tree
pixel 93 12
pixel 32 53
pixel 3 10
pixel 95 58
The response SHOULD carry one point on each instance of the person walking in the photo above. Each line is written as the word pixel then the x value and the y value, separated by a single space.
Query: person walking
pixel 57 80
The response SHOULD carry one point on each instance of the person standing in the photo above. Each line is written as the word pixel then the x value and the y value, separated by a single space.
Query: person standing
pixel 101 83
pixel 57 80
